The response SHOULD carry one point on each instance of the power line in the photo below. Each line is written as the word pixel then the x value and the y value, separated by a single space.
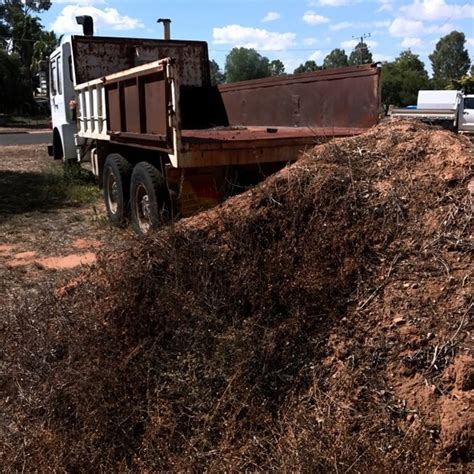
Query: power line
pixel 8 38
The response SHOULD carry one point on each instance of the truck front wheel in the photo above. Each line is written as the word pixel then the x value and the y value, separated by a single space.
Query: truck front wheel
pixel 149 199
pixel 116 179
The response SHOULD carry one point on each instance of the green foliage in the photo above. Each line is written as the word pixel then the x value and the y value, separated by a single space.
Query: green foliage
pixel 277 68
pixel 402 79
pixel 466 84
pixel 336 58
pixel 450 60
pixel 308 66
pixel 46 43
pixel 217 76
pixel 28 44
pixel 360 54
pixel 242 64
pixel 14 90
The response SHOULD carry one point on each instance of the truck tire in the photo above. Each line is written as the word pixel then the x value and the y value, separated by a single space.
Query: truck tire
pixel 149 199
pixel 116 183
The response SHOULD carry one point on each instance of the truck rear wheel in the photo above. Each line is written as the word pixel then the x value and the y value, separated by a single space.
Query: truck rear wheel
pixel 149 199
pixel 116 183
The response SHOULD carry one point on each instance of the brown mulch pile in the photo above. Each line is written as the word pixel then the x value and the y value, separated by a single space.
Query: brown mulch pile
pixel 319 322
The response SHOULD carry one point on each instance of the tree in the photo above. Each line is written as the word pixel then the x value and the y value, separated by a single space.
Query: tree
pixel 360 54
pixel 217 76
pixel 336 58
pixel 402 79
pixel 242 64
pixel 43 47
pixel 18 22
pixel 22 28
pixel 277 68
pixel 14 91
pixel 466 84
pixel 308 66
pixel 450 60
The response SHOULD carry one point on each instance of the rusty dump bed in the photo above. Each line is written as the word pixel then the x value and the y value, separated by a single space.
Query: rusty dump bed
pixel 254 144
pixel 99 56
pixel 168 104
pixel 275 119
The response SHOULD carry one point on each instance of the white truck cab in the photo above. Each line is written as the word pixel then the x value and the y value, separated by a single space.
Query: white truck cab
pixel 466 114
pixel 448 108
pixel 62 92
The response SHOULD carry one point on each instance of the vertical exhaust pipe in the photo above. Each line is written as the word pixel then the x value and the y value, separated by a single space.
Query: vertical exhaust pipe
pixel 87 24
pixel 166 28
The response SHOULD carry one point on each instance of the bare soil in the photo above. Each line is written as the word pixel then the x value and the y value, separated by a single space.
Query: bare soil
pixel 46 234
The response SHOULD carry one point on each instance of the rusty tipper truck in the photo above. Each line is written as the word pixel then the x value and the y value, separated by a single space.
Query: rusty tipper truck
pixel 164 142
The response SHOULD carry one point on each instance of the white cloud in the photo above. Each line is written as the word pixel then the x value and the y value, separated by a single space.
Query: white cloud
pixel 385 5
pixel 377 57
pixel 411 42
pixel 359 24
pixel 257 38
pixel 317 56
pixel 311 18
pixel 351 44
pixel 333 3
pixel 81 2
pixel 431 10
pixel 342 25
pixel 470 42
pixel 108 18
pixel 310 41
pixel 402 27
pixel 271 16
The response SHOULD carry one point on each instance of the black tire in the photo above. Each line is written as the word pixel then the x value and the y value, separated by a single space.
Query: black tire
pixel 116 184
pixel 149 199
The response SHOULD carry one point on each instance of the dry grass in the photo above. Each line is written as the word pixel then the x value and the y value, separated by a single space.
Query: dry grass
pixel 262 334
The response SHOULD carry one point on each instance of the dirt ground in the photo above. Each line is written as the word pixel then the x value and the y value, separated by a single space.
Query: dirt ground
pixel 49 227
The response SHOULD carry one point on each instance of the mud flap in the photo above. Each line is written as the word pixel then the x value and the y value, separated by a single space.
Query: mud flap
pixel 198 193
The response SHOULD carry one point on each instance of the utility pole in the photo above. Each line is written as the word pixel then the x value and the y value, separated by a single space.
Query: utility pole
pixel 361 40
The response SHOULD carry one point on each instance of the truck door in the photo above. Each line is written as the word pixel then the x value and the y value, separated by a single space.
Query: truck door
pixel 466 119
pixel 62 92
pixel 58 111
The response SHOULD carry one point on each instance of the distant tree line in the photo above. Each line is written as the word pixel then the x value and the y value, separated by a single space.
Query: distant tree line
pixel 401 78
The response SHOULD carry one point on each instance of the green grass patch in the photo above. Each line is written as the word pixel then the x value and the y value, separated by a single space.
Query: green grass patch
pixel 71 186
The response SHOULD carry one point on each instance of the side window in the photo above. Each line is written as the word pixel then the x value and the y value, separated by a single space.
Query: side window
pixel 70 67
pixel 59 74
pixel 53 80
pixel 469 103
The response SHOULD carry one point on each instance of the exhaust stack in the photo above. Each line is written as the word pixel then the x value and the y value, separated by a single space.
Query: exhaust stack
pixel 87 24
pixel 166 27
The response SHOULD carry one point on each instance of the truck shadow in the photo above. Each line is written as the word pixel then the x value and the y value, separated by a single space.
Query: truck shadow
pixel 23 192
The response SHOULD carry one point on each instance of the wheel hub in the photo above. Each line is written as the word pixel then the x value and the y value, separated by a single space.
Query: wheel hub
pixel 112 194
pixel 143 209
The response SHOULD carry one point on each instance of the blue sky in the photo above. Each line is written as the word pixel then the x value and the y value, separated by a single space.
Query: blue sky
pixel 291 30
